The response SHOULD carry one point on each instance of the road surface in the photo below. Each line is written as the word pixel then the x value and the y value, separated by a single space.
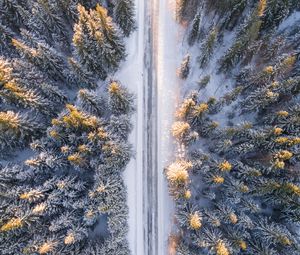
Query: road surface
pixel 150 72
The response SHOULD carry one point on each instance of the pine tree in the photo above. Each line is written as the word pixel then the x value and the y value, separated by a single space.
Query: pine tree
pixel 11 12
pixel 112 37
pixel 275 12
pixel 208 47
pixel 124 16
pixel 120 126
pixel 6 35
pixel 248 34
pixel 91 102
pixel 44 57
pixel 184 69
pixel 186 108
pixel 273 233
pixel 13 92
pixel 54 201
pixel 88 38
pixel 231 12
pixel 47 21
pixel 181 7
pixel 120 100
pixel 180 129
pixel 195 28
pixel 53 93
pixel 69 8
pixel 177 173
pixel 83 77
pixel 204 82
pixel 97 43
pixel 17 130
pixel 245 187
pixel 5 72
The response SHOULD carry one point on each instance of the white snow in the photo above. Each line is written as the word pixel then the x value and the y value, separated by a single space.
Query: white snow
pixel 289 21
pixel 131 75
pixel 220 83
pixel 169 55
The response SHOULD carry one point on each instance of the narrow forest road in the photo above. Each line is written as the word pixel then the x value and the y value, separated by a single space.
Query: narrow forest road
pixel 163 94
pixel 167 57
pixel 150 72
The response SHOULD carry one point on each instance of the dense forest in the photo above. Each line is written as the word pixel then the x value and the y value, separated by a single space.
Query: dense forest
pixel 236 182
pixel 65 121
pixel 64 126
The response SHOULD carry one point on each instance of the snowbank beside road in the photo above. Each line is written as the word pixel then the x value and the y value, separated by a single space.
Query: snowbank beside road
pixel 131 74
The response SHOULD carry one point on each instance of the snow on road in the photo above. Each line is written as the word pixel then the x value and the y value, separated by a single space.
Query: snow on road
pixel 131 75
pixel 169 36
pixel 150 72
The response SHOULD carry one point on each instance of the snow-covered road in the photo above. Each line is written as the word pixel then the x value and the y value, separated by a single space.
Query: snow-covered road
pixel 150 72
pixel 132 75
pixel 168 39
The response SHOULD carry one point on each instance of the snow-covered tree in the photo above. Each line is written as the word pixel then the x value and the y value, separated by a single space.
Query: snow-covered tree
pixel 195 32
pixel 112 37
pixel 208 47
pixel 184 69
pixel 98 45
pixel 63 156
pixel 17 130
pixel 45 58
pixel 124 14
pixel 248 33
pixel 120 100
pixel 240 193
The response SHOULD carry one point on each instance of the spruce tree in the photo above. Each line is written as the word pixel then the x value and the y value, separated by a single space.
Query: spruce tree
pixel 195 29
pixel 116 53
pixel 120 100
pixel 184 69
pixel 97 43
pixel 124 16
pixel 230 12
pixel 181 6
pixel 248 33
pixel 46 58
pixel 17 130
pixel 88 39
pixel 12 12
pixel 92 102
pixel 47 21
pixel 68 8
pixel 208 47
pixel 14 90
pixel 6 35
pixel 275 12
pixel 15 94
pixel 80 75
